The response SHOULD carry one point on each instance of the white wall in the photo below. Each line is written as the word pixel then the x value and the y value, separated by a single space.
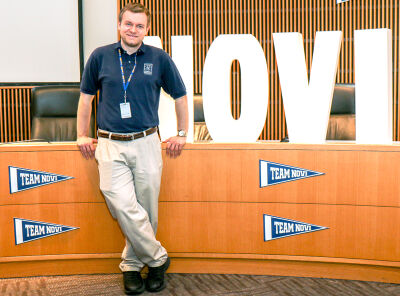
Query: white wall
pixel 99 24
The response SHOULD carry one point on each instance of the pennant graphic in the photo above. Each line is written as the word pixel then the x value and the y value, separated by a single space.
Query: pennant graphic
pixel 28 230
pixel 277 227
pixel 272 173
pixel 24 179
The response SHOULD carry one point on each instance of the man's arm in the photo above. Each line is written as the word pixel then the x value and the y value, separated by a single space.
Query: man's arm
pixel 175 144
pixel 85 144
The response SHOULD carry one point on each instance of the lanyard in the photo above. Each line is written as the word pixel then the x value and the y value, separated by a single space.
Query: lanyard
pixel 125 85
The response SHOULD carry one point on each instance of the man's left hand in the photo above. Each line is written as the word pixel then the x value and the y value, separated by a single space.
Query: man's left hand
pixel 175 145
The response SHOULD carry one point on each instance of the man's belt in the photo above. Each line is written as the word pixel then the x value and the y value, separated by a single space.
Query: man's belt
pixel 126 137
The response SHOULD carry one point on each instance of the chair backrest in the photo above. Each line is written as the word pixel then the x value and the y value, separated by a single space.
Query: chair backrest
pixel 342 120
pixel 53 112
pixel 198 108
pixel 343 101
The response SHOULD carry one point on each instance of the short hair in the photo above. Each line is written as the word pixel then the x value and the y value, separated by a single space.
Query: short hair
pixel 135 8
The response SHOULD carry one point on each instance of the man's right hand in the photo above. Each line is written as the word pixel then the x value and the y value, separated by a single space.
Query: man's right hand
pixel 86 146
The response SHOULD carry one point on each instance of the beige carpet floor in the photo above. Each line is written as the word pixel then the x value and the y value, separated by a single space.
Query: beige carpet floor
pixel 195 285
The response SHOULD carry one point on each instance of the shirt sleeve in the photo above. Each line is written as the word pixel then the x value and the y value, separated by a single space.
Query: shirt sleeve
pixel 172 82
pixel 90 77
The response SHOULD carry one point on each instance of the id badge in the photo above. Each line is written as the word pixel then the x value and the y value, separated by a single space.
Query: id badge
pixel 125 110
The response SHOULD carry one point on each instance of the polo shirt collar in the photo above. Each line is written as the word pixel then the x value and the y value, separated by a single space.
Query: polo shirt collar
pixel 142 49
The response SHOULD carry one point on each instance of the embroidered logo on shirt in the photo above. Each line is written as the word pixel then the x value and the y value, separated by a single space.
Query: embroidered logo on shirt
pixel 148 69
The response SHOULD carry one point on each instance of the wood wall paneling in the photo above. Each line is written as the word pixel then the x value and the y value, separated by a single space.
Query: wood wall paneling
pixel 15 113
pixel 262 18
pixel 207 19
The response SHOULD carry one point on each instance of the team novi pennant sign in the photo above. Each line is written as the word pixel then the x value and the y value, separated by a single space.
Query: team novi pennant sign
pixel 28 230
pixel 277 227
pixel 24 179
pixel 272 173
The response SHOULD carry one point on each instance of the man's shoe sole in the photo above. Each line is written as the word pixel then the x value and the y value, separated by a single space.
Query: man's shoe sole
pixel 158 289
pixel 137 292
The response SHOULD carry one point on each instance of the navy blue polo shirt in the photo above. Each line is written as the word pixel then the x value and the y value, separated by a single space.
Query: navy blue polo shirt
pixel 154 70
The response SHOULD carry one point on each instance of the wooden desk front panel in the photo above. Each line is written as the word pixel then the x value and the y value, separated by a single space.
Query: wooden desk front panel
pixel 367 233
pixel 352 177
pixel 63 160
pixel 98 233
pixel 211 204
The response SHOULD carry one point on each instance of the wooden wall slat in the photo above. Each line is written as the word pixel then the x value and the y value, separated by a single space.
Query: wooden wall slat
pixel 9 100
pixel 207 19
pixel 394 23
pixel 17 106
pixel 2 125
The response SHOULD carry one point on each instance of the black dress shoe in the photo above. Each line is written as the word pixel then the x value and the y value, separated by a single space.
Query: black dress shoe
pixel 155 279
pixel 133 283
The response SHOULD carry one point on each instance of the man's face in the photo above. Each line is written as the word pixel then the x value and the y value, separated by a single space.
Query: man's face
pixel 133 28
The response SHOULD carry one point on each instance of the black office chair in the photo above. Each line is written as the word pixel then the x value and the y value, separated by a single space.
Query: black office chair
pixel 53 113
pixel 200 133
pixel 342 122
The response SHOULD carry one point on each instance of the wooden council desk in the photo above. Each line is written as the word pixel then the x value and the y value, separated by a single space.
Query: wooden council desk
pixel 211 212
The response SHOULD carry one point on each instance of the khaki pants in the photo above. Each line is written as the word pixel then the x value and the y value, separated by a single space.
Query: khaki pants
pixel 130 177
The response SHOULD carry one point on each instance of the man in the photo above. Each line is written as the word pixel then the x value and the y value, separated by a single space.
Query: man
pixel 129 75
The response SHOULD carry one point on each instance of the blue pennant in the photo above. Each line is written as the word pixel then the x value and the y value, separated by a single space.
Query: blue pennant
pixel 277 227
pixel 28 230
pixel 272 173
pixel 24 179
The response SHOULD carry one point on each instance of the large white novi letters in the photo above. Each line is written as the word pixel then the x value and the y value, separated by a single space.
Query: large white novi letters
pixel 216 89
pixel 182 54
pixel 307 105
pixel 373 77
